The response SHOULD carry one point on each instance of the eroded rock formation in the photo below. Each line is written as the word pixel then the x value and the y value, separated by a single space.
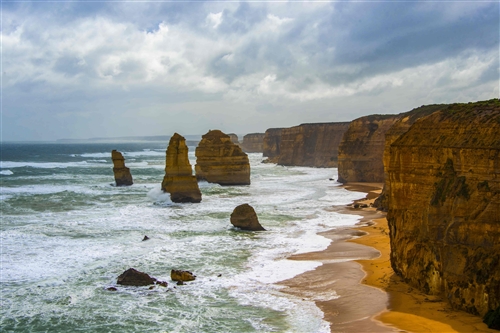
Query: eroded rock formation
pixel 444 205
pixel 271 145
pixel 245 218
pixel 133 277
pixel 218 160
pixel 121 172
pixel 179 180
pixel 313 145
pixel 234 138
pixel 252 143
pixel 400 127
pixel 184 276
pixel 361 151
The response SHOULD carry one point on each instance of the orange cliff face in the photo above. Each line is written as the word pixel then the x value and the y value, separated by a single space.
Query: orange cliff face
pixel 252 143
pixel 444 205
pixel 218 160
pixel 313 145
pixel 271 144
pixel 123 177
pixel 179 180
pixel 360 157
pixel 400 127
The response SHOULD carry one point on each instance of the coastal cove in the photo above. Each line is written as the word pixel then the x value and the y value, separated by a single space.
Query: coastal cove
pixel 370 296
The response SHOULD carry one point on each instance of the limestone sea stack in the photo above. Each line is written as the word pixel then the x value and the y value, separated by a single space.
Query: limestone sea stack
pixel 234 138
pixel 252 143
pixel 444 205
pixel 271 145
pixel 245 218
pixel 179 180
pixel 312 145
pixel 218 160
pixel 121 172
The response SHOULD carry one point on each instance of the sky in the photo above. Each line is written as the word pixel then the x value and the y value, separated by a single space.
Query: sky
pixel 83 69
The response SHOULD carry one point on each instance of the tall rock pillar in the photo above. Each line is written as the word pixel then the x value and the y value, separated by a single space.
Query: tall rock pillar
pixel 179 180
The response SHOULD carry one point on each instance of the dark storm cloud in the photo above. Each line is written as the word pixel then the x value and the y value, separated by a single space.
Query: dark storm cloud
pixel 80 61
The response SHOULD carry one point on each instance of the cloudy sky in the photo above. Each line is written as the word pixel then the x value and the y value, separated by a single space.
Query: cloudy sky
pixel 109 68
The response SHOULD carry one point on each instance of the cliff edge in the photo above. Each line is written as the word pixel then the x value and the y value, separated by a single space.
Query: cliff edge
pixel 444 205
pixel 312 145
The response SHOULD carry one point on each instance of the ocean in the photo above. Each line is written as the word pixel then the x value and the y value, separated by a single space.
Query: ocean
pixel 67 233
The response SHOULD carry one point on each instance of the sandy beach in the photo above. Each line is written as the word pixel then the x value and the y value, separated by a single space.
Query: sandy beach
pixel 357 289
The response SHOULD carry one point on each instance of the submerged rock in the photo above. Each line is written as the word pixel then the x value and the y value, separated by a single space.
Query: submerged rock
pixel 245 218
pixel 132 277
pixel 121 172
pixel 219 160
pixel 181 276
pixel 179 180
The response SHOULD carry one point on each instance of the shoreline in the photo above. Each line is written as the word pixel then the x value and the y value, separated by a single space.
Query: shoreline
pixel 358 291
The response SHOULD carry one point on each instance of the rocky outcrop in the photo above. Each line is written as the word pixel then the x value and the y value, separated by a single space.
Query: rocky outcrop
pixel 361 151
pixel 234 138
pixel 312 145
pixel 184 276
pixel 444 205
pixel 122 173
pixel 400 127
pixel 252 143
pixel 271 145
pixel 179 180
pixel 133 277
pixel 245 218
pixel 218 160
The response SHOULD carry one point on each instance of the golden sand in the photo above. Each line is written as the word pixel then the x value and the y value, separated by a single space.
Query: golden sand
pixel 356 267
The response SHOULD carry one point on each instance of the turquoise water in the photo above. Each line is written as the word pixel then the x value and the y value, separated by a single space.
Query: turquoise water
pixel 67 232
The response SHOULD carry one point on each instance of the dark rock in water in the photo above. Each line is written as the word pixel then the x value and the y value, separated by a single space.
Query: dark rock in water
pixel 121 172
pixel 132 277
pixel 492 319
pixel 180 283
pixel 178 275
pixel 245 218
pixel 162 283
pixel 145 238
pixel 111 289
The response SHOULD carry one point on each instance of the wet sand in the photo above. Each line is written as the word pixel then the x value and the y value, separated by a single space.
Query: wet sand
pixel 357 289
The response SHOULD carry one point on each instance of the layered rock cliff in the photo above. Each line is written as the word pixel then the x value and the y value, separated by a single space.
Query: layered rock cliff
pixel 313 145
pixel 218 160
pixel 362 148
pixel 444 205
pixel 234 138
pixel 123 177
pixel 179 180
pixel 400 127
pixel 271 144
pixel 252 143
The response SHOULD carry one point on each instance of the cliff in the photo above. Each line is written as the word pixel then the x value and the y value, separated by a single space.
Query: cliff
pixel 234 138
pixel 271 144
pixel 179 180
pixel 444 205
pixel 218 160
pixel 313 145
pixel 252 143
pixel 361 151
pixel 123 177
pixel 400 127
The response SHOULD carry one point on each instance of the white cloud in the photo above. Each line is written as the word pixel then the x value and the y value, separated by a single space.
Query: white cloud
pixel 214 19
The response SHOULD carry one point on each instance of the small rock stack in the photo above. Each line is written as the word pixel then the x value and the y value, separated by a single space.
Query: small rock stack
pixel 122 173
